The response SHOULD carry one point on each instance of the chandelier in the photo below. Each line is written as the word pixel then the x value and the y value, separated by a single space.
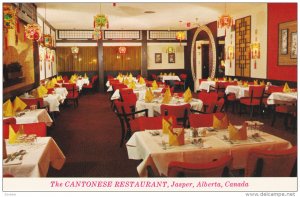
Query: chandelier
pixel 225 20
pixel 100 21
pixel 33 32
pixel 122 50
pixel 180 35
pixel 255 50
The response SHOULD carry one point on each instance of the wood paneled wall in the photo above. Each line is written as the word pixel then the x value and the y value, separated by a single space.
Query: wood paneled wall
pixel 114 61
pixel 87 59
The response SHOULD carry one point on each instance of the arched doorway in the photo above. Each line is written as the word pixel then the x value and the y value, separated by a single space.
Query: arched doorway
pixel 214 58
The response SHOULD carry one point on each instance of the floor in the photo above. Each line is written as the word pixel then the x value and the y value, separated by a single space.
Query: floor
pixel 89 136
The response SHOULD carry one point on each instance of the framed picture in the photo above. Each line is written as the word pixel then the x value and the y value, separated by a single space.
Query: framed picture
pixel 158 58
pixel 287 43
pixel 284 42
pixel 171 57
pixel 294 45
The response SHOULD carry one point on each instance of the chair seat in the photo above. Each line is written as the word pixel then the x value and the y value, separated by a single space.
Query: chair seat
pixel 88 86
pixel 285 109
pixel 247 101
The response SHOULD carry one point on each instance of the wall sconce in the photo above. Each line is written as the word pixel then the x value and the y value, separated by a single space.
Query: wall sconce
pixel 255 50
pixel 74 51
pixel 230 51
pixel 122 50
pixel 170 50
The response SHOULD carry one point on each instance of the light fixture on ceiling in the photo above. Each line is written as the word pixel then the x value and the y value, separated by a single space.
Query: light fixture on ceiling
pixel 100 21
pixel 180 35
pixel 255 49
pixel 149 12
pixel 225 20
pixel 46 40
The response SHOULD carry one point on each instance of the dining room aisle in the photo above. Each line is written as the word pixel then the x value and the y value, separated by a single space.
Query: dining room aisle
pixel 89 136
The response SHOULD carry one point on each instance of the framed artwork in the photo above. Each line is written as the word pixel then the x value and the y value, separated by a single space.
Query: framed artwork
pixel 294 45
pixel 158 58
pixel 287 43
pixel 171 57
pixel 284 42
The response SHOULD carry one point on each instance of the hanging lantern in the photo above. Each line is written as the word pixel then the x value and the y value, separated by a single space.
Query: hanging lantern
pixel 9 16
pixel 180 35
pixel 47 40
pixel 230 53
pixel 100 20
pixel 255 50
pixel 33 32
pixel 122 50
pixel 74 51
pixel 225 21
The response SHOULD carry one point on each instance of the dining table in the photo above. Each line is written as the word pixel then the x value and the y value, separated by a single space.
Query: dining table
pixel 154 106
pixel 282 98
pixel 206 85
pixel 152 147
pixel 239 90
pixel 33 159
pixel 32 116
pixel 164 78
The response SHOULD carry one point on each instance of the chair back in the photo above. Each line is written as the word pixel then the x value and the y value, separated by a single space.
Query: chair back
pixel 95 77
pixel 165 89
pixel 220 105
pixel 273 88
pixel 72 89
pixel 150 123
pixel 40 129
pixel 217 168
pixel 271 163
pixel 178 111
pixel 256 92
pixel 154 77
pixel 183 76
pixel 50 90
pixel 33 101
pixel 118 86
pixel 209 100
pixel 203 120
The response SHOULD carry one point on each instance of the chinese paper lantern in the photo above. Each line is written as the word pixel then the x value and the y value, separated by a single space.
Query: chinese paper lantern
pixel 33 32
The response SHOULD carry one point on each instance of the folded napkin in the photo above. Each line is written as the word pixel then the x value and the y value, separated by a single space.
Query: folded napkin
pixel 286 88
pixel 176 137
pixel 126 82
pixel 18 105
pixel 142 80
pixel 208 79
pixel 165 74
pixel 85 76
pixel 216 80
pixel 167 96
pixel 130 75
pixel 54 81
pixel 255 82
pixel 187 95
pixel 8 109
pixel 170 74
pixel 41 91
pixel 262 83
pixel 132 85
pixel 220 124
pixel 149 96
pixel 167 124
pixel 49 85
pixel 154 85
pixel 12 135
pixel 230 80
pixel 245 84
pixel 225 79
pixel 237 134
pixel 174 74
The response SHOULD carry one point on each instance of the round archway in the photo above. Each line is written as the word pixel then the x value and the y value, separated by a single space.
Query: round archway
pixel 213 44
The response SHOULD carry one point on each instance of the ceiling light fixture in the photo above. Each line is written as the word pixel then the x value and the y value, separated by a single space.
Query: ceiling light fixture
pixel 225 20
pixel 180 35
pixel 100 21
pixel 149 12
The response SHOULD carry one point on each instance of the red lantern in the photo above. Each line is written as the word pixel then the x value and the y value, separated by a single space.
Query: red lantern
pixel 122 50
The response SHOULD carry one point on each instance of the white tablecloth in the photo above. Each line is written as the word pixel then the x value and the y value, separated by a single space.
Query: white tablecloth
pixel 239 91
pixel 39 156
pixel 281 97
pixel 81 82
pixel 166 77
pixel 205 85
pixel 34 116
pixel 54 101
pixel 142 145
pixel 63 92
pixel 140 93
pixel 154 106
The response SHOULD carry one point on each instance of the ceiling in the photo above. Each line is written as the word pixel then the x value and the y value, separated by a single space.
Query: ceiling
pixel 132 16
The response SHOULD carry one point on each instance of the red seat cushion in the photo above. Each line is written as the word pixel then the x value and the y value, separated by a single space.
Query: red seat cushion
pixel 231 97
